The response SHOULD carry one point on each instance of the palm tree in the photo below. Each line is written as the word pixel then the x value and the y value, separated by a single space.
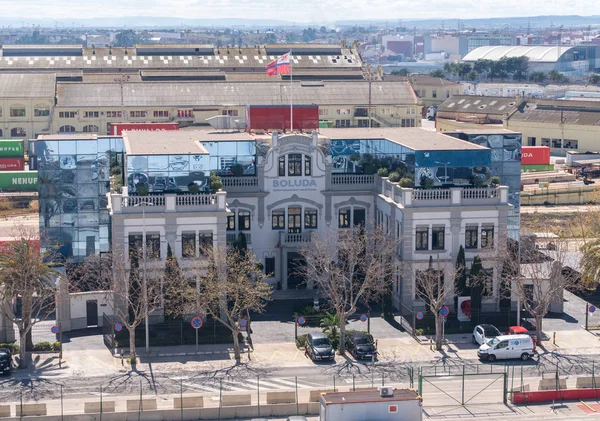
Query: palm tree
pixel 330 324
pixel 590 262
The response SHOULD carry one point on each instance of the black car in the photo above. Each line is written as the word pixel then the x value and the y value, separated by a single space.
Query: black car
pixel 5 361
pixel 318 347
pixel 360 346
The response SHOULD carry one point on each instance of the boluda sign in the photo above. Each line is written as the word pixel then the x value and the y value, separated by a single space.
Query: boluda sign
pixel 298 184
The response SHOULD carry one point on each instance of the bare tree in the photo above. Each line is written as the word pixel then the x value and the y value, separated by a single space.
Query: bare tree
pixel 350 267
pixel 431 286
pixel 132 290
pixel 27 273
pixel 229 284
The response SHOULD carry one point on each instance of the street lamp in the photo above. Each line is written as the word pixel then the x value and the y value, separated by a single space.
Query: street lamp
pixel 145 282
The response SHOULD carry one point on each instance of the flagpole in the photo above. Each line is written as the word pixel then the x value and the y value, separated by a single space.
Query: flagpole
pixel 291 95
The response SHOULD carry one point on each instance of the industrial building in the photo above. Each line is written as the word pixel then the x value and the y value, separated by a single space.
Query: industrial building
pixel 569 60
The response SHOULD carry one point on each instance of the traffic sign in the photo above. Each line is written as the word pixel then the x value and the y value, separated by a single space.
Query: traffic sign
pixel 364 317
pixel 301 320
pixel 197 323
pixel 243 322
pixel 444 311
pixel 420 315
pixel 118 327
pixel 592 309
pixel 54 329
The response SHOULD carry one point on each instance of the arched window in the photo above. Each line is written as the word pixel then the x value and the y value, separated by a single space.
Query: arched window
pixel 17 110
pixel 91 129
pixel 18 132
pixel 66 129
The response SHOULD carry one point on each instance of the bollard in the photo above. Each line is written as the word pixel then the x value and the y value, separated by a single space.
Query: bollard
pixel 554 338
pixel 376 343
pixel 249 354
pixel 122 358
pixel 431 344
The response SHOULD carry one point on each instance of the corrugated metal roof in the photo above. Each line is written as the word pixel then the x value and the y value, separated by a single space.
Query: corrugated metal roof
pixel 27 85
pixel 231 93
pixel 569 112
pixel 471 104
pixel 537 53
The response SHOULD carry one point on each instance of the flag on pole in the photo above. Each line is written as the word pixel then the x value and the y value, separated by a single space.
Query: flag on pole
pixel 280 66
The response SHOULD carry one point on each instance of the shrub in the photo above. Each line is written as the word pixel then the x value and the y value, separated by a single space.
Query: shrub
pixel 14 348
pixel 495 181
pixel 42 346
pixel 394 177
pixel 382 172
pixel 301 341
pixel 116 185
pixel 406 182
pixel 142 189
pixel 193 188
pixel 56 346
pixel 116 170
pixel 427 183
pixel 215 182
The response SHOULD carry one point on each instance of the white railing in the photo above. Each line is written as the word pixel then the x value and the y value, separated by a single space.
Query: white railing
pixel 479 193
pixel 249 181
pixel 295 238
pixel 143 201
pixel 352 179
pixel 195 200
pixel 431 194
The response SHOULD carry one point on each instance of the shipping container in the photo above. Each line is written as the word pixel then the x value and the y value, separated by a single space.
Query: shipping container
pixel 117 129
pixel 12 164
pixel 277 117
pixel 535 155
pixel 17 181
pixel 10 148
pixel 536 167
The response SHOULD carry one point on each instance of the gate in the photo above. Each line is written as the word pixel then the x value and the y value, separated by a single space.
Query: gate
pixel 447 385
pixel 407 318
pixel 108 331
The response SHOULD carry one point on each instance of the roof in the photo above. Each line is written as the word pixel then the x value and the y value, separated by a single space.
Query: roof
pixel 27 85
pixel 415 138
pixel 537 53
pixel 368 396
pixel 473 104
pixel 170 142
pixel 491 130
pixel 433 81
pixel 165 94
pixel 569 112
pixel 68 136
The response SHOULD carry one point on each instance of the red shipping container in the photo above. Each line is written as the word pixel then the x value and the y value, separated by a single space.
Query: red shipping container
pixel 117 129
pixel 12 164
pixel 277 117
pixel 535 155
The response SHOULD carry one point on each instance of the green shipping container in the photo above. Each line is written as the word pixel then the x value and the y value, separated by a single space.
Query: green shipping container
pixel 18 181
pixel 537 167
pixel 11 148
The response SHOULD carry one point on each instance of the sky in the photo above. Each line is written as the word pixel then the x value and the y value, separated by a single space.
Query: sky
pixel 321 11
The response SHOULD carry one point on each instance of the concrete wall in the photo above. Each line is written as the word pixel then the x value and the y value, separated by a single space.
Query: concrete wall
pixel 78 305
pixel 29 409
pixel 569 196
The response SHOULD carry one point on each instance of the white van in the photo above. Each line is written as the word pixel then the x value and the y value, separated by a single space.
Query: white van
pixel 507 346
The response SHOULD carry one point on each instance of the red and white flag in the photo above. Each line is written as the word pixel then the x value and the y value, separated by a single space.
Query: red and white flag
pixel 281 66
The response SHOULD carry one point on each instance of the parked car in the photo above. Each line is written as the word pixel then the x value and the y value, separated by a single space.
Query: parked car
pixel 517 330
pixel 318 347
pixel 360 346
pixel 5 360
pixel 483 333
pixel 506 347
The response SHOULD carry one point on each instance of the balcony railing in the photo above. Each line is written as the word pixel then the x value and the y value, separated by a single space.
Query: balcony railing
pixel 295 239
pixel 480 193
pixel 196 200
pixel 431 194
pixel 143 201
pixel 231 237
pixel 352 179
pixel 168 203
pixel 249 181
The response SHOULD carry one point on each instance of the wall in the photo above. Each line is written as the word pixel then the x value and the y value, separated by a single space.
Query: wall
pixel 407 411
pixel 78 304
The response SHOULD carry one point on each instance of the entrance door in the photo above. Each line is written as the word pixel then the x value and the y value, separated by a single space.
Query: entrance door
pixel 91 308
pixel 294 220
pixel 295 277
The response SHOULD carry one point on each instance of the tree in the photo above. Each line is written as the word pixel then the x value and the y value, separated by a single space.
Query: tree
pixel 590 262
pixel 557 77
pixel 538 77
pixel 498 69
pixel 594 79
pixel 431 288
pixel 482 66
pixel 472 76
pixel 27 273
pixel 437 73
pixel 401 72
pixel 349 267
pixel 460 277
pixel 128 38
pixel 330 324
pixel 230 284
pixel 476 283
pixel 174 285
pixel 518 67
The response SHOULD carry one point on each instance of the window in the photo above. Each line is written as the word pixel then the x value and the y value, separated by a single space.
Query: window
pixel 230 222
pixel 570 144
pixel 471 237
pixel 278 220
pixel 188 244
pixel 243 220
pixel 342 123
pixel 153 246
pixel 233 113
pixel 447 94
pixel 307 165
pixel 270 266
pixel 323 111
pixel 344 218
pixel 205 242
pixel 359 216
pixel 18 132
pixel 437 238
pixel 501 345
pixel 434 93
pixel 310 219
pixel 135 244
pixel 487 237
pixel 422 240
pixel 91 128
pixel 185 113
pixel 282 166
pixel 137 114
pixel 557 143
pixel 67 114
pixel 114 114
pixel 294 164
pixel 545 141
pixel 90 114
pixel 17 110
pixel 40 110
pixel 161 113
pixel 66 129
pixel 531 141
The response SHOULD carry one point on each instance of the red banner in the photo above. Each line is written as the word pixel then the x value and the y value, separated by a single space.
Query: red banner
pixel 12 164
